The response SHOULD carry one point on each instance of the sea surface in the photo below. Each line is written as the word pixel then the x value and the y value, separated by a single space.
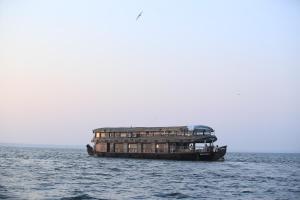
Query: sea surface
pixel 58 173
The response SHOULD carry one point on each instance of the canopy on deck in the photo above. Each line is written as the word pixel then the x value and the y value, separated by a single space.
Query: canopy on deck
pixel 202 128
pixel 141 129
pixel 197 128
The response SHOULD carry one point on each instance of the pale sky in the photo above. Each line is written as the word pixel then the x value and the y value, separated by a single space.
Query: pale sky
pixel 68 67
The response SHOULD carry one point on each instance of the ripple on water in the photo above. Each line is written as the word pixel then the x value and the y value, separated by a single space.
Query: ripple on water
pixel 81 197
pixel 27 173
pixel 175 195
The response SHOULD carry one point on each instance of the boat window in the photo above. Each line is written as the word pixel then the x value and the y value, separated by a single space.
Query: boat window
pixel 161 148
pixel 132 148
pixel 119 147
pixel 97 135
pixel 103 135
pixel 101 147
pixel 147 148
pixel 172 148
pixel 123 134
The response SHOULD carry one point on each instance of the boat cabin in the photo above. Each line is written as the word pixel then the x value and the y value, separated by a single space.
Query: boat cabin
pixel 153 139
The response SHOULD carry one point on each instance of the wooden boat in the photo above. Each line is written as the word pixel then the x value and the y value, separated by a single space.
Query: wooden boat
pixel 174 143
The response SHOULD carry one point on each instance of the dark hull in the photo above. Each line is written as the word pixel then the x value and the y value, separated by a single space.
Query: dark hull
pixel 196 156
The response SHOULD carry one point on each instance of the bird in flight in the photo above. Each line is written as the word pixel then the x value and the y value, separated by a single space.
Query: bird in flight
pixel 139 15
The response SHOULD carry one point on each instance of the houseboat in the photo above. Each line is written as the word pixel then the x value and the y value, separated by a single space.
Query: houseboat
pixel 173 143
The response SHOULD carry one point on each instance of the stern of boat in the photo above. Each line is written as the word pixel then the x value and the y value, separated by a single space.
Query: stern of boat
pixel 220 153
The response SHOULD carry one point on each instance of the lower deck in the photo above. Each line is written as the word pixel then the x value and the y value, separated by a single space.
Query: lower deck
pixel 145 147
pixel 193 156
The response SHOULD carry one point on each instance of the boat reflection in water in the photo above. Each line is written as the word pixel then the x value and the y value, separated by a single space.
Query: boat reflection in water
pixel 174 143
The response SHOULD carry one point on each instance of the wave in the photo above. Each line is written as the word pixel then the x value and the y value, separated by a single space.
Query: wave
pixel 176 195
pixel 81 197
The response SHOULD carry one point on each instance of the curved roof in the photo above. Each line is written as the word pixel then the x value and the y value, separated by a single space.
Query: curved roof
pixel 202 128
pixel 199 128
pixel 140 129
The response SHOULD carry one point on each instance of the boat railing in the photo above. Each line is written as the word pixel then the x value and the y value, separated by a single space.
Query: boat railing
pixel 207 149
pixel 148 135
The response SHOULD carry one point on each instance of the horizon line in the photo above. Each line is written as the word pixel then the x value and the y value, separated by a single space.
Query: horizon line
pixel 82 146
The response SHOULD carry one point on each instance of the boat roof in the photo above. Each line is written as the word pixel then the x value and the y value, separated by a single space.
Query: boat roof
pixel 200 128
pixel 139 129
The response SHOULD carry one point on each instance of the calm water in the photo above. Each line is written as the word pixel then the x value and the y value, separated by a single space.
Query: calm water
pixel 45 173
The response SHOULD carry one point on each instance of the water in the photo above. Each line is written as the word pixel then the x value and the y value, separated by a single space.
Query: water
pixel 49 173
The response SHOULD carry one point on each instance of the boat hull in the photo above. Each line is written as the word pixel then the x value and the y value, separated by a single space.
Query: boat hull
pixel 193 156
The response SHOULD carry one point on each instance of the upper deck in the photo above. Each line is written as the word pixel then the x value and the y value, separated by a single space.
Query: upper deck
pixel 185 134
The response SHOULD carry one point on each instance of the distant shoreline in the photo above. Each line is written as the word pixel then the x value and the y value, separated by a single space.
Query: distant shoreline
pixel 83 147
pixel 43 145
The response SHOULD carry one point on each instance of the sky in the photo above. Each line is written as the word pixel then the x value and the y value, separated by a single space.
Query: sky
pixel 68 67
